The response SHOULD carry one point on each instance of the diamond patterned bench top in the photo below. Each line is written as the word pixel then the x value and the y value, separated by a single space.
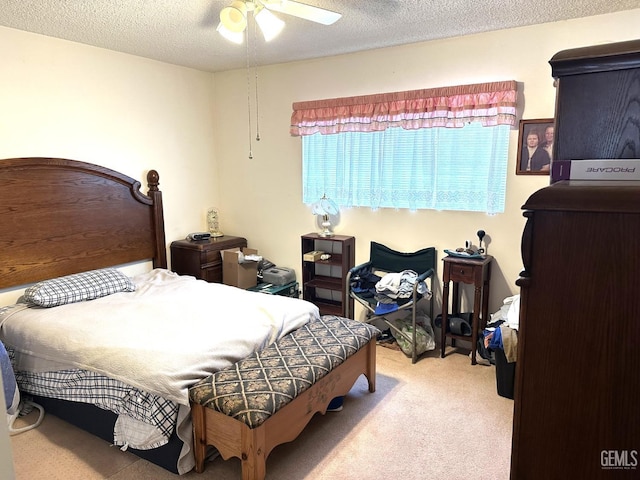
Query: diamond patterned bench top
pixel 258 386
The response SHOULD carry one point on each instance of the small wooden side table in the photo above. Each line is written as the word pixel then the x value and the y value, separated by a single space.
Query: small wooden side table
pixel 202 259
pixel 476 272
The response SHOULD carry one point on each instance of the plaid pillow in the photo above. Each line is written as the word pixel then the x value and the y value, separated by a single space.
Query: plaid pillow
pixel 78 287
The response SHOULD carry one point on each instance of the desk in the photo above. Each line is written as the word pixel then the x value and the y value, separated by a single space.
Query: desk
pixel 476 272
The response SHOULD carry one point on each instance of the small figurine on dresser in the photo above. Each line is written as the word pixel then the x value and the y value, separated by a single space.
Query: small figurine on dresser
pixel 213 222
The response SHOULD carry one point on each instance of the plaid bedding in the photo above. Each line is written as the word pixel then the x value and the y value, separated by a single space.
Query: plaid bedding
pixel 99 336
pixel 146 421
pixel 78 287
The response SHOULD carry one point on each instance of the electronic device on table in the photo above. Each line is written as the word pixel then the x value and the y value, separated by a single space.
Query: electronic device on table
pixel 198 236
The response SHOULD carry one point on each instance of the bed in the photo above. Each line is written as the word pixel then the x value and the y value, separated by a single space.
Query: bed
pixel 66 224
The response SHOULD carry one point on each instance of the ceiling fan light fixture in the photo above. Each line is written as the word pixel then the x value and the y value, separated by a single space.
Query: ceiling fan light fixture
pixel 235 37
pixel 269 24
pixel 234 17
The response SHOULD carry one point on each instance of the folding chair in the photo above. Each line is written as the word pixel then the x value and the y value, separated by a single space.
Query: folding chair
pixel 383 260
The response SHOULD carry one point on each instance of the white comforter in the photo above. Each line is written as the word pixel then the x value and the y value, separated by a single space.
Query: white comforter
pixel 168 334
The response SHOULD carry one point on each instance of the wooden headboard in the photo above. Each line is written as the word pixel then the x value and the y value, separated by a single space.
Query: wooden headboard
pixel 60 216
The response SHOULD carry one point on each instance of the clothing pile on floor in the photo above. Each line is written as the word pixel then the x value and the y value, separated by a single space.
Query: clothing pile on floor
pixel 501 331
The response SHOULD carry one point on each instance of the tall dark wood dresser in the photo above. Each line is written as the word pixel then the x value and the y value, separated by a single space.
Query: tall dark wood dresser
pixel 577 390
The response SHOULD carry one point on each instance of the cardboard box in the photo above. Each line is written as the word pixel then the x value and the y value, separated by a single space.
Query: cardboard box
pixel 242 275
pixel 594 169
pixel 312 256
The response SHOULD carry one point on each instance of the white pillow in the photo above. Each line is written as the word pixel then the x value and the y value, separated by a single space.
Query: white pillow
pixel 78 287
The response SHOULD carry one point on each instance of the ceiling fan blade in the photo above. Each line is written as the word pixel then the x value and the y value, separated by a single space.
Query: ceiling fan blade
pixel 302 10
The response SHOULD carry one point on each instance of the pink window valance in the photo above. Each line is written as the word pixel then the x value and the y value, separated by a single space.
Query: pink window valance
pixel 490 103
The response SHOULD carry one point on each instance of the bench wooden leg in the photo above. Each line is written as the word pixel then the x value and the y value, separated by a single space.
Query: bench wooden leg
pixel 370 369
pixel 253 453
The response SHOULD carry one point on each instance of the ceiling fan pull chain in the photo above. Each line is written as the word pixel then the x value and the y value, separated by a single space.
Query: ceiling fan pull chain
pixel 249 95
pixel 255 66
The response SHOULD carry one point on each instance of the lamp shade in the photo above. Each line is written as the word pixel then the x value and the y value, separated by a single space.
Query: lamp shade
pixel 234 17
pixel 235 37
pixel 324 208
pixel 269 24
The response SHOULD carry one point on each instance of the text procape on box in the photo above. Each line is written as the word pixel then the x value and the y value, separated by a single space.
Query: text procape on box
pixel 603 169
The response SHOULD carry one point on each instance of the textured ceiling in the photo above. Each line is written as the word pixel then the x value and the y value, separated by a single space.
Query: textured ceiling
pixel 182 32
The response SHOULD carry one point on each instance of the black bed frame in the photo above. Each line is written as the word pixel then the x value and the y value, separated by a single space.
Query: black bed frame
pixel 100 423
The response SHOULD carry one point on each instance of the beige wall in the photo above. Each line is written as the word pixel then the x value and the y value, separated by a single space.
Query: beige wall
pixel 262 197
pixel 132 114
pixel 64 99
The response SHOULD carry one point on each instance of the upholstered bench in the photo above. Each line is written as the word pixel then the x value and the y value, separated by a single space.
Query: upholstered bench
pixel 269 397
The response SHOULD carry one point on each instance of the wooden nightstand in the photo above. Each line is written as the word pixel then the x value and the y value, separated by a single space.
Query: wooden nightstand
pixel 202 259
pixel 473 272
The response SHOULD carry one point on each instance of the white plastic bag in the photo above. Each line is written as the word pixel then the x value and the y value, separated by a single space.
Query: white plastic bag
pixel 425 338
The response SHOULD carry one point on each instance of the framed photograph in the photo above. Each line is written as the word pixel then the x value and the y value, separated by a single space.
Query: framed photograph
pixel 535 146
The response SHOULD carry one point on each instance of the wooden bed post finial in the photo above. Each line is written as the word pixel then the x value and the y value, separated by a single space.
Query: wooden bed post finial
pixel 153 180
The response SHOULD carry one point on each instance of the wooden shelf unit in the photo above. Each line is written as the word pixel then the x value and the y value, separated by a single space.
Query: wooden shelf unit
pixel 324 281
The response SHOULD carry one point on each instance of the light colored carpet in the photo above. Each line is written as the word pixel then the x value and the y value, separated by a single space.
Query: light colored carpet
pixel 439 418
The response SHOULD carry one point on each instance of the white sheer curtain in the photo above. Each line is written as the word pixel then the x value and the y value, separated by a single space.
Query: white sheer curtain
pixel 437 168
pixel 443 149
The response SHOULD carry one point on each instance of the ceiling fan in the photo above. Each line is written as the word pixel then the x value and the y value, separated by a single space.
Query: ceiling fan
pixel 233 18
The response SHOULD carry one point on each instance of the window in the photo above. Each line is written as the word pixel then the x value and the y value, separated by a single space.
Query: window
pixel 444 149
